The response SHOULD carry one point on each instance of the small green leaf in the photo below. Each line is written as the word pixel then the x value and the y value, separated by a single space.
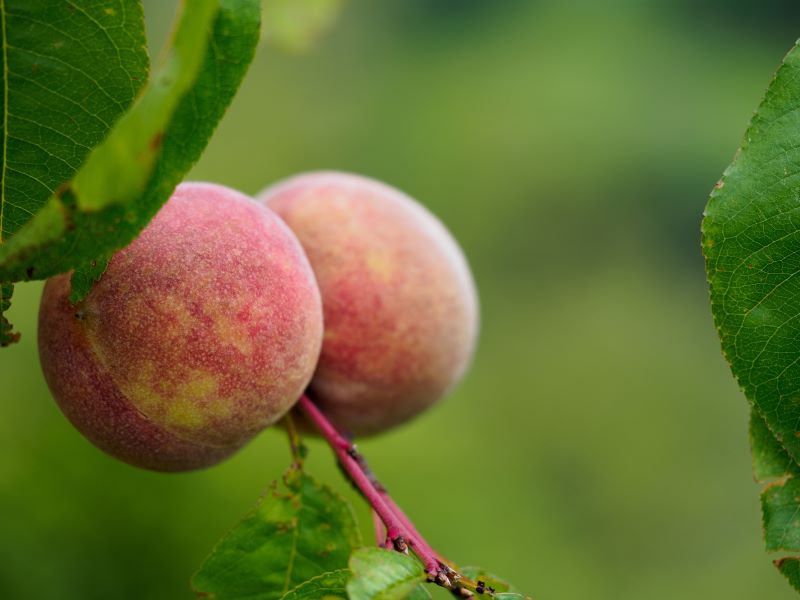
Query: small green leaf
pixel 294 535
pixel 780 515
pixel 790 567
pixel 770 459
pixel 7 334
pixel 779 500
pixel 328 586
pixel 152 148
pixel 380 574
pixel 296 25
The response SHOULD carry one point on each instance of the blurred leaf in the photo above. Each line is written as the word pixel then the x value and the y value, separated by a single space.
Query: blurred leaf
pixel 69 71
pixel 296 25
pixel 328 586
pixel 293 536
pixel 419 593
pixel 790 567
pixel 7 335
pixel 384 574
pixel 751 233
pixel 150 149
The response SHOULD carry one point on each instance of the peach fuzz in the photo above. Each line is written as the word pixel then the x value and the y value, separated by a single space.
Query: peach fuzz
pixel 399 302
pixel 201 333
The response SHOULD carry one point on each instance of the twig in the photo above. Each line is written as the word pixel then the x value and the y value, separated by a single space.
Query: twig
pixel 399 529
pixel 381 536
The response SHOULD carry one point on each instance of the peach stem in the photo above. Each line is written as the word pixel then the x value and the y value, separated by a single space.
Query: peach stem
pixel 398 528
pixel 381 538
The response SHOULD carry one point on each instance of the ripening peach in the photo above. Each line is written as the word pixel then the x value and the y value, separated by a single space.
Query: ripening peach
pixel 399 302
pixel 201 333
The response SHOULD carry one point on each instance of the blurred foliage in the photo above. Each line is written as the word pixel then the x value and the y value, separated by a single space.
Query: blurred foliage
pixel 296 25
pixel 598 448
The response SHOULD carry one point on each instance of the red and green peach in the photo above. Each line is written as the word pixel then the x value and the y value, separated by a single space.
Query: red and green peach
pixel 201 333
pixel 399 302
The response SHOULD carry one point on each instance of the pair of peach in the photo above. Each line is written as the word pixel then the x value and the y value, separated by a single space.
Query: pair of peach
pixel 208 327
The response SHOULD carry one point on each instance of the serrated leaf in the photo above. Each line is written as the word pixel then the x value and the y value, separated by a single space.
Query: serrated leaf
pixel 82 223
pixel 296 25
pixel 380 574
pixel 328 586
pixel 751 232
pixel 780 515
pixel 296 534
pixel 7 334
pixel 770 459
pixel 779 499
pixel 790 568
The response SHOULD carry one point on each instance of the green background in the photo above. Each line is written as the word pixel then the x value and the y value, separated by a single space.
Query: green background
pixel 598 447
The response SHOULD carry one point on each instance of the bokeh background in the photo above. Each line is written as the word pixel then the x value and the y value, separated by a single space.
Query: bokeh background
pixel 598 448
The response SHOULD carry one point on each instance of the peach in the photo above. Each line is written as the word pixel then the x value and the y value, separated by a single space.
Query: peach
pixel 399 302
pixel 201 333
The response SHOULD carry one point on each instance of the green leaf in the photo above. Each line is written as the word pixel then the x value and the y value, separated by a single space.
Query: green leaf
pixel 295 535
pixel 770 459
pixel 380 574
pixel 790 567
pixel 780 515
pixel 779 500
pixel 7 334
pixel 419 593
pixel 70 70
pixel 328 586
pixel 296 25
pixel 751 233
pixel 85 275
pixel 151 149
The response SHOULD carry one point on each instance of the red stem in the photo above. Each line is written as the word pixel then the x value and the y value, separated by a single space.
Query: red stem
pixel 380 530
pixel 401 516
pixel 399 529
